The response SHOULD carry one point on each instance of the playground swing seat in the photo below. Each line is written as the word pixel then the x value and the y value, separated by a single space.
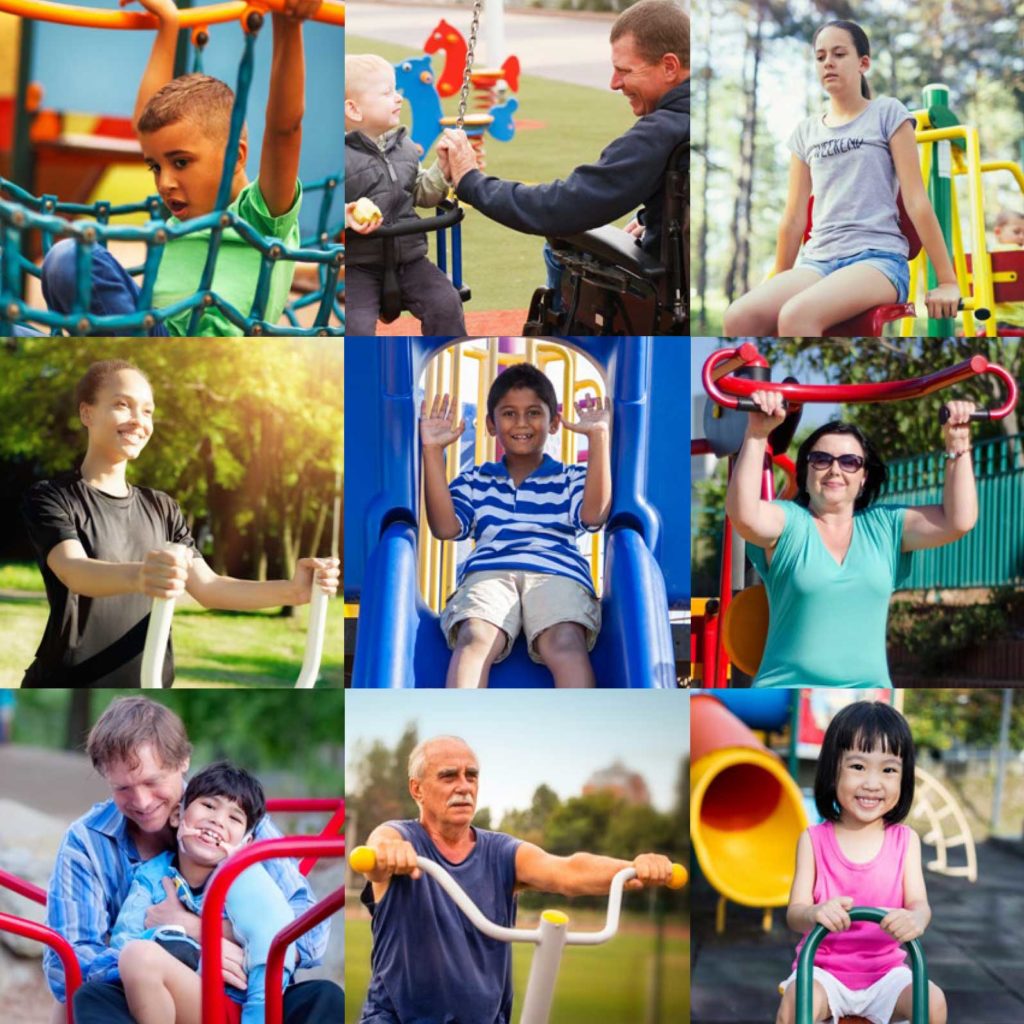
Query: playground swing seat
pixel 449 215
pixel 610 286
pixel 1007 283
pixel 23 215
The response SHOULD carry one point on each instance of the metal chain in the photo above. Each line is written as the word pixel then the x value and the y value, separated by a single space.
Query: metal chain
pixel 468 70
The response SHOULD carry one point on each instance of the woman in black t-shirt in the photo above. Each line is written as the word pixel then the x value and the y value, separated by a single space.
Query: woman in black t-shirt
pixel 102 546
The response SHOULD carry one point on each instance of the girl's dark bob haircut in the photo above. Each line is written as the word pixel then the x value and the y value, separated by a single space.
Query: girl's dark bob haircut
pixel 874 468
pixel 863 726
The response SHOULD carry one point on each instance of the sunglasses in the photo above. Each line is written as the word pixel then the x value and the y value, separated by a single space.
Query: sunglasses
pixel 847 463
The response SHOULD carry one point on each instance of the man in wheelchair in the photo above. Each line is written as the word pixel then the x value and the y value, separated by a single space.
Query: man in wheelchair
pixel 610 281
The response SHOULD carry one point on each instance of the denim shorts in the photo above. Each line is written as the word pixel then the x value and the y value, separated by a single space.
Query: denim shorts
pixel 895 267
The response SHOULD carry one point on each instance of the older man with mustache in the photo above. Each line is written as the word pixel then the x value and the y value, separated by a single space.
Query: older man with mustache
pixel 428 964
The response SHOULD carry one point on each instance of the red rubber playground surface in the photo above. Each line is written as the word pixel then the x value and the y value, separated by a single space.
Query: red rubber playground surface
pixel 486 323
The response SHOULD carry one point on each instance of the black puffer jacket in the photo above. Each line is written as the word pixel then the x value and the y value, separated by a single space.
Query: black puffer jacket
pixel 388 177
pixel 629 173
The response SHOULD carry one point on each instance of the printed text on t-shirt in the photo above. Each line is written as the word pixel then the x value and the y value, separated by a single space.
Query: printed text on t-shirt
pixel 833 147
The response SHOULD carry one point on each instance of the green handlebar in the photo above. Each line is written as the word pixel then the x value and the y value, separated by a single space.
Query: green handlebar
pixel 805 970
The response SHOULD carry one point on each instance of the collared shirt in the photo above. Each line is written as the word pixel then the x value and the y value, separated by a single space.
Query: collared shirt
pixel 532 527
pixel 92 876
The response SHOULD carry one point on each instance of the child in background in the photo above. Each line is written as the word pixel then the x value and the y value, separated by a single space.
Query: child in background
pixel 861 856
pixel 221 807
pixel 1009 232
pixel 383 165
pixel 525 514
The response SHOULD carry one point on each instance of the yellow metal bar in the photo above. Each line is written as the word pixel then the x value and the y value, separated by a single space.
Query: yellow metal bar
pixel 447 580
pixel 1005 165
pixel 92 17
pixel 492 372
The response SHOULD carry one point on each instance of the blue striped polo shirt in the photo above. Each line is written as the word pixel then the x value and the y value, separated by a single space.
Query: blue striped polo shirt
pixel 530 528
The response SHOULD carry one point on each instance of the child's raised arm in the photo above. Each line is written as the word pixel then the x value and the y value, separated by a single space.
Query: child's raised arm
pixel 909 921
pixel 286 105
pixel 160 68
pixel 437 431
pixel 595 421
pixel 803 914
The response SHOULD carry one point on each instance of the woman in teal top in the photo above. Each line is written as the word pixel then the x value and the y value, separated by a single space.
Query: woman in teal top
pixel 831 559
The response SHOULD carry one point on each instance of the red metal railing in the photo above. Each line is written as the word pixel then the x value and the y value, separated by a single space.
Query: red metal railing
pixel 733 392
pixel 212 932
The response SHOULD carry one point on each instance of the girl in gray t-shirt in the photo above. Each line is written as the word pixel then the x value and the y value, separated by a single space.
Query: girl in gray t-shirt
pixel 853 159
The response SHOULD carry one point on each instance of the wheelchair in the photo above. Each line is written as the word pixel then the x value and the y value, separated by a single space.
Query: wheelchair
pixel 611 286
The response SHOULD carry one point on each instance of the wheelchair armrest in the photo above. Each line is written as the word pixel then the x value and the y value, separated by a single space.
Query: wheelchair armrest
pixel 452 215
pixel 613 245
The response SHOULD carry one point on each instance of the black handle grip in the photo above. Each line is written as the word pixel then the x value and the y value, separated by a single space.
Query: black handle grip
pixel 981 313
pixel 413 227
pixel 976 416
pixel 747 405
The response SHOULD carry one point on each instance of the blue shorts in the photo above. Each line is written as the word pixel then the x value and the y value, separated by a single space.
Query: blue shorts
pixel 895 267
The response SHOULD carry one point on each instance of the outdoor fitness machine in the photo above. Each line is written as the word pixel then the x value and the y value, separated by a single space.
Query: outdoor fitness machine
pixel 159 631
pixel 550 936
pixel 730 376
pixel 805 970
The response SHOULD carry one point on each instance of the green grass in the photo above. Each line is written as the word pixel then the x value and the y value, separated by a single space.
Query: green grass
pixel 502 266
pixel 606 983
pixel 21 576
pixel 222 649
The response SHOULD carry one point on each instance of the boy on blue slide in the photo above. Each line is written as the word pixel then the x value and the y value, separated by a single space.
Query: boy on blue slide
pixel 157 967
pixel 183 126
pixel 525 513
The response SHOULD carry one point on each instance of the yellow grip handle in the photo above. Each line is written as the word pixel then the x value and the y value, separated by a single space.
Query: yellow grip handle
pixel 363 859
pixel 678 879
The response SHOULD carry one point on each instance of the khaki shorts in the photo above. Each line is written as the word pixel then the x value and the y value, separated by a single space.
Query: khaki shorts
pixel 876 1002
pixel 531 601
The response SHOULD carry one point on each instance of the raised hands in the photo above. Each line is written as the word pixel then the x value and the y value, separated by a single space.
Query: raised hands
pixel 594 416
pixel 956 431
pixel 438 429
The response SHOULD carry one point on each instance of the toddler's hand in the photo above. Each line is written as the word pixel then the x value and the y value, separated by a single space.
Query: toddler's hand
pixel 833 914
pixel 438 429
pixel 902 925
pixel 361 226
pixel 635 228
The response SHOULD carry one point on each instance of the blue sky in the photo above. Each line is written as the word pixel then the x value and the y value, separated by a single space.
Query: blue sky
pixel 525 737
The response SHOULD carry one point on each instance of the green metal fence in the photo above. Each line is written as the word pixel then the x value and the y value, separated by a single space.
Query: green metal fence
pixel 992 554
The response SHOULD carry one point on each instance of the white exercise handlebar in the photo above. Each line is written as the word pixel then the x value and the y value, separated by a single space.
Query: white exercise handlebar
pixel 159 631
pixel 550 935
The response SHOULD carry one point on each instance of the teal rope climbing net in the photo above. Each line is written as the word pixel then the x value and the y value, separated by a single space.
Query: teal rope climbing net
pixel 22 213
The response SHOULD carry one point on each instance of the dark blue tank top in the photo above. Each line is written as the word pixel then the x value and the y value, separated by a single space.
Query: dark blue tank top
pixel 429 964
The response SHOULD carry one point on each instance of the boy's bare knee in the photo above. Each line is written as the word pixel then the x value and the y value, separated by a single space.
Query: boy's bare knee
pixel 562 639
pixel 479 635
pixel 140 958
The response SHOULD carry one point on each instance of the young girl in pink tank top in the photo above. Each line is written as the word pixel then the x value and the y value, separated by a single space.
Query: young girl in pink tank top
pixel 861 855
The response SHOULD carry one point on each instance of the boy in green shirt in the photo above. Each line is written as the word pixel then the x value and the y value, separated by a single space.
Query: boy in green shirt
pixel 183 126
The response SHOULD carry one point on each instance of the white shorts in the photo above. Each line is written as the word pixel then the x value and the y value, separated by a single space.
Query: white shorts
pixel 531 601
pixel 876 1002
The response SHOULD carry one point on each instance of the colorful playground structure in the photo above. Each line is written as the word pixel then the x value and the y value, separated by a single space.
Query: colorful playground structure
pixel 329 843
pixel 747 810
pixel 397 577
pixel 550 936
pixel 950 150
pixel 66 132
pixel 730 630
